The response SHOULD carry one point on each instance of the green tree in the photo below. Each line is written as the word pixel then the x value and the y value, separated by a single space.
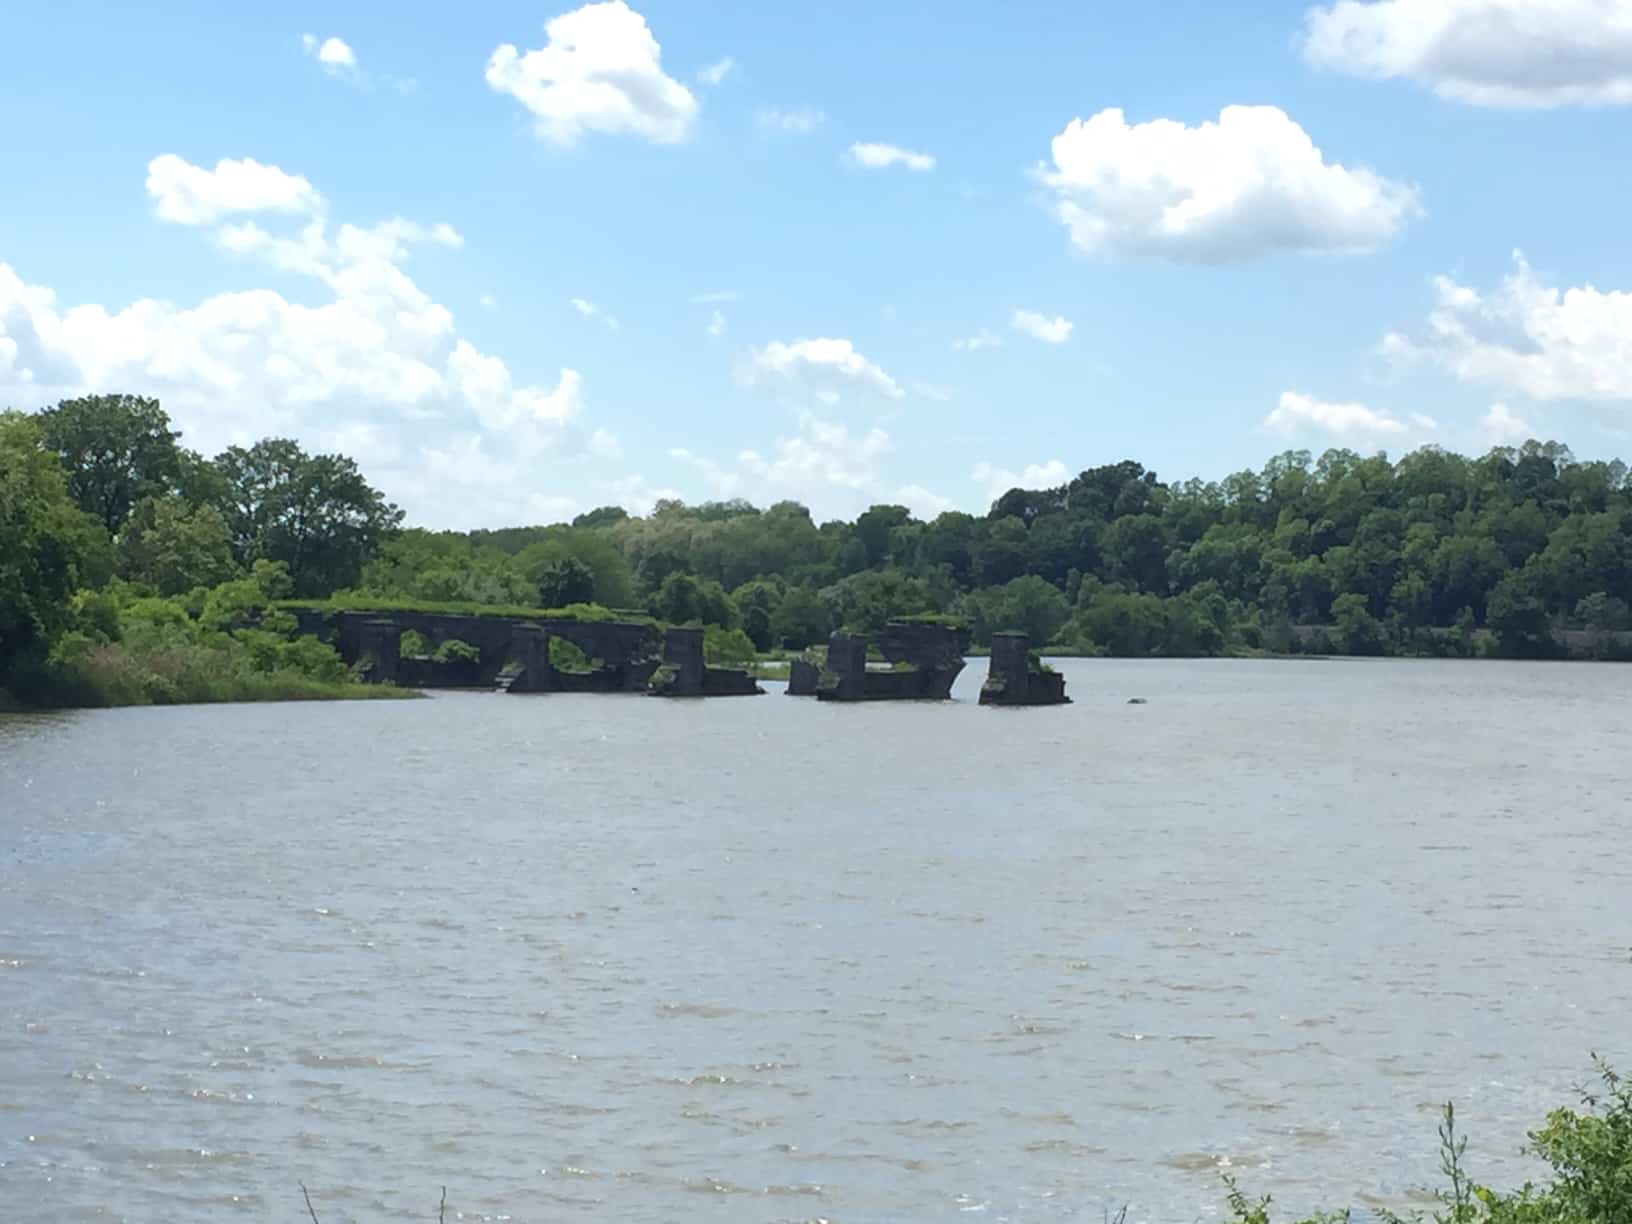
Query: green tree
pixel 866 601
pixel 1136 549
pixel 801 619
pixel 874 527
pixel 684 598
pixel 115 449
pixel 602 516
pixel 315 513
pixel 45 542
pixel 173 546
pixel 1028 604
pixel 757 603
pixel 567 581
pixel 1358 630
pixel 1000 551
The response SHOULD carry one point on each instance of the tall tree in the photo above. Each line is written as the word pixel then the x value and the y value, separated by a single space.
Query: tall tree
pixel 315 513
pixel 567 581
pixel 45 541
pixel 173 546
pixel 115 449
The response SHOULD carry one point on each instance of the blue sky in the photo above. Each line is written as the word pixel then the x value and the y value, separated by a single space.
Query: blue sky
pixel 881 252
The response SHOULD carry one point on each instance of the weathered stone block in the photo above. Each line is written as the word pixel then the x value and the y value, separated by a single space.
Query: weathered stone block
pixel 1012 679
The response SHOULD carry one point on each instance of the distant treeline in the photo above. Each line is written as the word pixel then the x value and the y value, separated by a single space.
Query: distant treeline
pixel 1512 554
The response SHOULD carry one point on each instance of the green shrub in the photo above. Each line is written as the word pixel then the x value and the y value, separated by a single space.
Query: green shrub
pixel 1588 1151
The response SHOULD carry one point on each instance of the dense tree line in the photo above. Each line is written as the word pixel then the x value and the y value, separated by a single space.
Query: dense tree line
pixel 1505 554
pixel 1433 554
pixel 103 512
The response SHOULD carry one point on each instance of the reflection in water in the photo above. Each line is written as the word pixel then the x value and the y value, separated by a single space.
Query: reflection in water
pixel 772 959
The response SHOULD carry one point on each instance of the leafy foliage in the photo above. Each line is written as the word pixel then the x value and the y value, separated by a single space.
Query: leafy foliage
pixel 174 545
pixel 1588 1150
pixel 46 543
pixel 315 513
pixel 115 450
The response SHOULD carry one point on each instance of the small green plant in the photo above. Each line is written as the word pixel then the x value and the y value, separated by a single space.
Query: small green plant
pixel 455 650
pixel 1589 1152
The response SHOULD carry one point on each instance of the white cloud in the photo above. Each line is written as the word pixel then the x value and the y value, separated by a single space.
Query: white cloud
pixel 717 71
pixel 192 195
pixel 1502 428
pixel 823 365
pixel 488 302
pixel 1298 413
pixel 1040 327
pixel 998 481
pixel 923 503
pixel 1248 185
pixel 636 494
pixel 985 338
pixel 716 326
pixel 882 156
pixel 824 464
pixel 365 360
pixel 1527 338
pixel 334 54
pixel 933 391
pixel 802 120
pixel 591 311
pixel 600 70
pixel 1507 53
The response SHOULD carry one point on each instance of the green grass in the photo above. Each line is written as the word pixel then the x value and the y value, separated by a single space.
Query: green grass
pixel 112 675
pixel 931 618
pixel 351 601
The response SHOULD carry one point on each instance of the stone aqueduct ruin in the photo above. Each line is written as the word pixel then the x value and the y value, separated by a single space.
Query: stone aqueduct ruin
pixel 918 660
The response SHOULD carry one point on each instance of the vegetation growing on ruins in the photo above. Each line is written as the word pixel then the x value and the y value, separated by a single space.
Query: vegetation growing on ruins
pixel 1523 553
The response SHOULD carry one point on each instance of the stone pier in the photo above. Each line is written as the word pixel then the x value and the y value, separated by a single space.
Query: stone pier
pixel 685 672
pixel 626 652
pixel 924 659
pixel 1014 678
pixel 803 677
pixel 379 645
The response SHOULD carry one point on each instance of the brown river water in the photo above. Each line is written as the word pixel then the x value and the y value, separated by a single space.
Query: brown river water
pixel 764 959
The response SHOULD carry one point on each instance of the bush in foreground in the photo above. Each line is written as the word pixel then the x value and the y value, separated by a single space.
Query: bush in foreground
pixel 1589 1152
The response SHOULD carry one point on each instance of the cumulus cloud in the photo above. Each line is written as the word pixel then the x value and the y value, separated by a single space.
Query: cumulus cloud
pixel 364 361
pixel 1502 428
pixel 1507 53
pixel 883 156
pixel 998 481
pixel 801 121
pixel 192 195
pixel 1297 413
pixel 924 503
pixel 985 338
pixel 716 325
pixel 334 54
pixel 1526 337
pixel 716 72
pixel 600 70
pixel 589 310
pixel 1040 327
pixel 823 365
pixel 825 464
pixel 1248 185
